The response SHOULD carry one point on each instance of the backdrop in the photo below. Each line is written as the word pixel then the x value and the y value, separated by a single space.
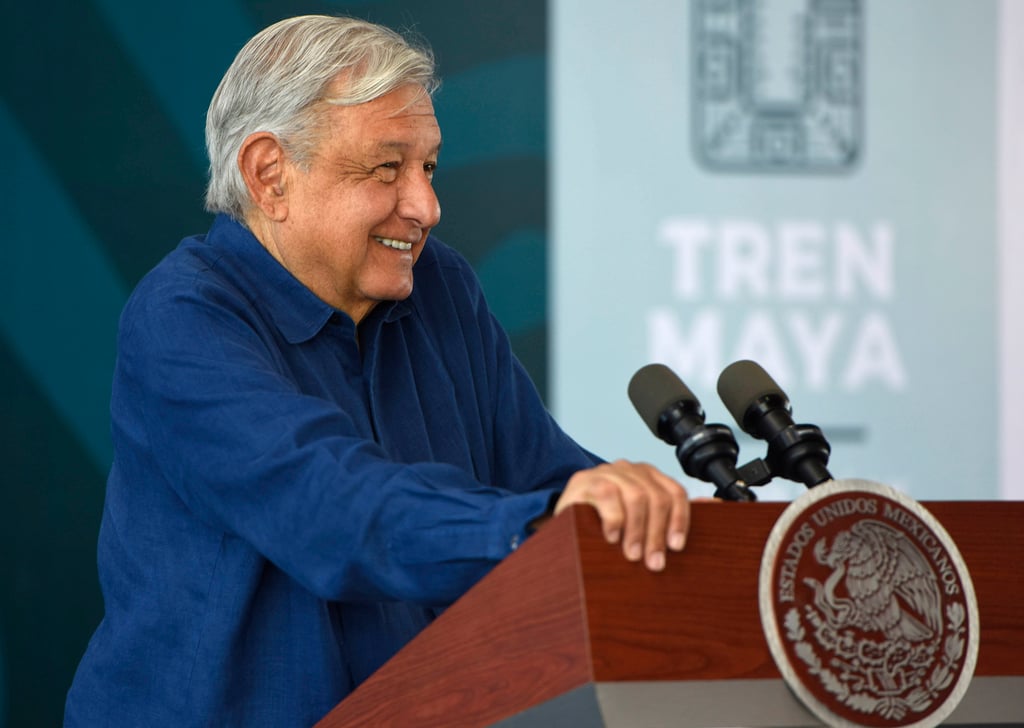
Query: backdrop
pixel 853 241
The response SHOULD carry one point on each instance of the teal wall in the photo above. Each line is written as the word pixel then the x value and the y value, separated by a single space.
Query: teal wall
pixel 101 116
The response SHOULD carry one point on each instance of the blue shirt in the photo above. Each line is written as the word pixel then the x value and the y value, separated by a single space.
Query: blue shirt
pixel 292 498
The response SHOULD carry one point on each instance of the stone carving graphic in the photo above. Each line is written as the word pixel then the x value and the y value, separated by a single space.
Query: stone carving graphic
pixel 776 85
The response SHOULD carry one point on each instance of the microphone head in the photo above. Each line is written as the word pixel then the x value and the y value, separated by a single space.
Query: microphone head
pixel 744 383
pixel 654 389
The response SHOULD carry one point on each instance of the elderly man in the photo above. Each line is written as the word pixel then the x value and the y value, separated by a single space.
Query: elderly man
pixel 313 455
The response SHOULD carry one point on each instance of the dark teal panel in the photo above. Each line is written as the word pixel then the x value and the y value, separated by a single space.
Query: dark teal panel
pixel 513 275
pixel 60 297
pixel 484 203
pixel 93 118
pixel 49 593
pixel 152 34
pixel 106 99
pixel 530 346
pixel 491 112
pixel 463 33
pixel 497 210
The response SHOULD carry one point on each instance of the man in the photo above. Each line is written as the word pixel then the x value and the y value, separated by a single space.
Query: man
pixel 313 455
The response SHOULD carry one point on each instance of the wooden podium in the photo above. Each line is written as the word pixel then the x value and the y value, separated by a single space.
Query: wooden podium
pixel 567 632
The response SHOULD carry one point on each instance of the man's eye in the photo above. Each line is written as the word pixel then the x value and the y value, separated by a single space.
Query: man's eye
pixel 388 171
pixel 430 168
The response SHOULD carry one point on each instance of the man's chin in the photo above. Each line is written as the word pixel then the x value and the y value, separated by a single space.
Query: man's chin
pixel 398 292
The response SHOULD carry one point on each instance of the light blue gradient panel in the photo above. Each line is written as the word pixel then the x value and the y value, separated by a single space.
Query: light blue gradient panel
pixel 154 36
pixel 60 298
pixel 624 163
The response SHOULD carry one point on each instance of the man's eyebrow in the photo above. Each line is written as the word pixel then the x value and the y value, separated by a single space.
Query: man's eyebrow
pixel 402 146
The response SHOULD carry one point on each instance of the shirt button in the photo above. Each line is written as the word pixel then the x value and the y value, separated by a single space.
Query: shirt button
pixel 513 544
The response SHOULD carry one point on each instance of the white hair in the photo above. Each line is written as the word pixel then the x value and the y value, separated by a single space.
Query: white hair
pixel 279 77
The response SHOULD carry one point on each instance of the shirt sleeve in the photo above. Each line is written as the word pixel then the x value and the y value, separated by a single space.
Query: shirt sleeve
pixel 290 474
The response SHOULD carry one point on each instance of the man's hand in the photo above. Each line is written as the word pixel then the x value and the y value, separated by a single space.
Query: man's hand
pixel 638 505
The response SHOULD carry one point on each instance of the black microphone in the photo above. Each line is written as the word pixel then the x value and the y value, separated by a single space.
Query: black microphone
pixel 762 410
pixel 673 414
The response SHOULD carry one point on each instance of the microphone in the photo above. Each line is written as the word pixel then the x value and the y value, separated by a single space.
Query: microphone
pixel 762 410
pixel 673 414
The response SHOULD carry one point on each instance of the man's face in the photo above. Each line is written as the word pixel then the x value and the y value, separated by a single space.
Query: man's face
pixel 358 216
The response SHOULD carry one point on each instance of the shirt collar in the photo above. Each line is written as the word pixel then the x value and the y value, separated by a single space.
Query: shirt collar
pixel 294 309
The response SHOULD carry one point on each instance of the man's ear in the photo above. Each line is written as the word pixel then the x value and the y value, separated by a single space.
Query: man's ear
pixel 261 160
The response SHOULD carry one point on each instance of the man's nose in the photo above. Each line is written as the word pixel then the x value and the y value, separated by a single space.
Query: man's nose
pixel 417 200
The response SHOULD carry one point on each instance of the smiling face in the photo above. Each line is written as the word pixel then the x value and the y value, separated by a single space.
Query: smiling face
pixel 351 222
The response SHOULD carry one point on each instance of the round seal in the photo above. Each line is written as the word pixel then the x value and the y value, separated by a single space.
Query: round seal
pixel 867 607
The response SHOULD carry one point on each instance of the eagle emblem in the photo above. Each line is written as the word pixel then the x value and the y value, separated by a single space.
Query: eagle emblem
pixel 868 608
pixel 890 587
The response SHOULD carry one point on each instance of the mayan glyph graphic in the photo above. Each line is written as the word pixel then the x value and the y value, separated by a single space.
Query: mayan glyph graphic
pixel 777 85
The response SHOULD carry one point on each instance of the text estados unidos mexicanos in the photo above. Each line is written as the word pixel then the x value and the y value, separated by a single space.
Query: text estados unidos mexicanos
pixel 792 554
